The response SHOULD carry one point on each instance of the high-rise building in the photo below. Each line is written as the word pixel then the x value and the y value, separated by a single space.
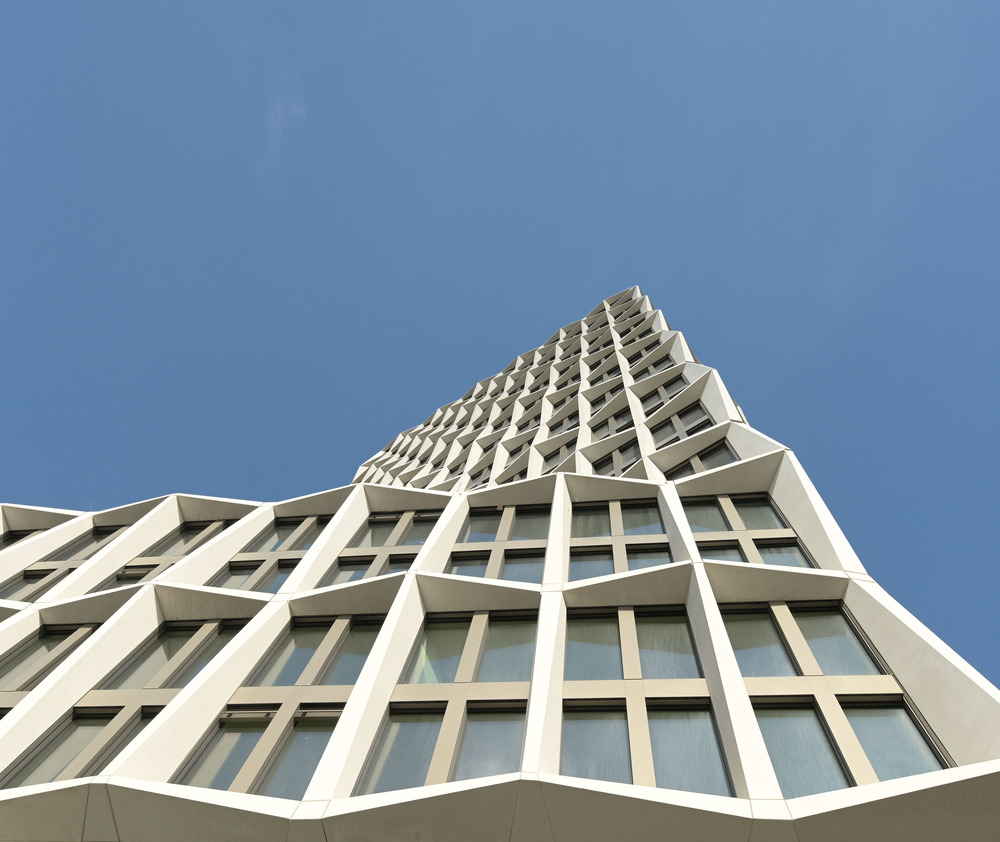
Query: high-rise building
pixel 585 601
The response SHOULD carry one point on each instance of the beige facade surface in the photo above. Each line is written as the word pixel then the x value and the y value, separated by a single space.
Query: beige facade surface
pixel 587 600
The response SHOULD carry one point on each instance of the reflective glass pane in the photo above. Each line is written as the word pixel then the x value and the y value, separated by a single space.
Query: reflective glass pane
pixel 758 646
pixel 312 533
pixel 523 568
pixel 219 764
pixel 800 751
pixel 641 559
pixel 684 470
pixel 642 520
pixel 705 516
pixel 60 751
pixel 664 433
pixel 588 565
pixel 438 653
pixel 233 578
pixel 292 770
pixel 666 649
pixel 273 537
pixel 286 663
pixel 834 644
pixel 346 572
pixel 404 752
pixel 491 744
pixel 179 542
pixel 203 658
pixel 692 415
pixel 420 529
pixel 20 586
pixel 19 667
pixel 788 555
pixel 590 522
pixel 401 563
pixel 153 658
pixel 686 752
pixel 893 743
pixel 510 647
pixel 474 566
pixel 715 553
pixel 758 514
pixel 595 745
pixel 277 578
pixel 717 456
pixel 352 655
pixel 87 545
pixel 593 649
pixel 481 526
pixel 530 525
pixel 375 533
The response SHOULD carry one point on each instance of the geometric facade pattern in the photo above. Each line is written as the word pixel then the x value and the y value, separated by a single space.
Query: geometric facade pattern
pixel 585 601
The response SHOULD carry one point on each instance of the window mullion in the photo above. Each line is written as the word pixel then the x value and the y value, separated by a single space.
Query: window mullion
pixel 325 651
pixel 300 530
pixel 474 642
pixel 842 735
pixel 794 639
pixel 55 656
pixel 640 745
pixel 631 667
pixel 446 751
pixel 278 729
pixel 395 537
pixel 183 655
pixel 495 564
pixel 92 753
pixel 263 571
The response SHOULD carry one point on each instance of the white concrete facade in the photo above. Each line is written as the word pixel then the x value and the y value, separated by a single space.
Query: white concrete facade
pixel 585 601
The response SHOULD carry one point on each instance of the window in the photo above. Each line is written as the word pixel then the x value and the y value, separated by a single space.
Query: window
pixel 757 532
pixel 618 461
pixel 833 643
pixel 164 554
pixel 586 565
pixel 593 648
pixel 82 746
pixel 616 537
pixel 520 567
pixel 403 754
pixel 687 422
pixel 686 751
pixel 595 745
pixel 559 455
pixel 468 658
pixel 28 663
pixel 8 539
pixel 759 648
pixel 438 653
pixel 892 741
pixel 661 364
pixel 566 423
pixel 386 543
pixel 503 543
pixel 172 657
pixel 600 400
pixel 36 579
pixel 666 648
pixel 617 423
pixel 298 758
pixel 801 753
pixel 268 561
pixel 491 743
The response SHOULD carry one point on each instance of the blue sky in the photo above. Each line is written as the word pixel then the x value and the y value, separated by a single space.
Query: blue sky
pixel 243 245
